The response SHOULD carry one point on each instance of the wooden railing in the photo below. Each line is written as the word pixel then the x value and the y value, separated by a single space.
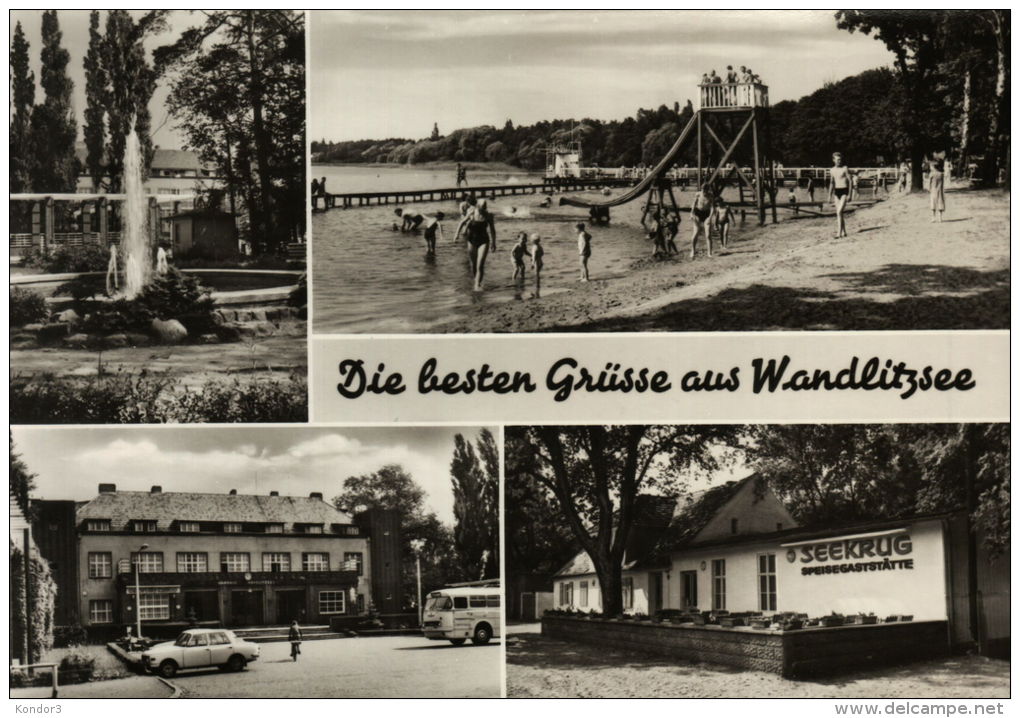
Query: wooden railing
pixel 733 95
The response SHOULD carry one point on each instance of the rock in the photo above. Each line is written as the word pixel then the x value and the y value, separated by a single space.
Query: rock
pixel 169 331
pixel 29 343
pixel 51 333
pixel 115 341
pixel 258 315
pixel 243 315
pixel 264 329
pixel 135 339
pixel 68 316
pixel 222 316
pixel 234 332
pixel 77 341
pixel 208 339
pixel 273 314
pixel 33 327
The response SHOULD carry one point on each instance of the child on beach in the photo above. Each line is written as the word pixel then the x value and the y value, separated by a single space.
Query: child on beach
pixel 723 218
pixel 811 188
pixel 583 249
pixel 672 230
pixel 792 199
pixel 655 233
pixel 537 254
pixel 517 256
pixel 936 189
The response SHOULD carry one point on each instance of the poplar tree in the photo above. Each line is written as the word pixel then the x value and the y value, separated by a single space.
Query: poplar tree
pixel 54 128
pixel 22 100
pixel 95 103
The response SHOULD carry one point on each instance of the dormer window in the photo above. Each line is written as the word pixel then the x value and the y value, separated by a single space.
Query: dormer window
pixel 97 525
pixel 311 528
pixel 274 528
pixel 188 527
pixel 143 526
pixel 232 528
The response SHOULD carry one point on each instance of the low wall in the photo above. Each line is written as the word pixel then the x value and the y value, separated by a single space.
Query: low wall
pixel 792 654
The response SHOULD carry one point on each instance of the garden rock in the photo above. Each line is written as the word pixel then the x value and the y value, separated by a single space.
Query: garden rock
pixel 68 316
pixel 258 315
pixel 115 341
pixel 33 327
pixel 135 339
pixel 77 341
pixel 243 315
pixel 222 316
pixel 264 329
pixel 169 331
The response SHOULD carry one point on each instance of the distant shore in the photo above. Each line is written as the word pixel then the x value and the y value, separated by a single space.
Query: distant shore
pixel 896 271
pixel 496 167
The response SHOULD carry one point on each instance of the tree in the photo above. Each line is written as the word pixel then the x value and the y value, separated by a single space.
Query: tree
pixel 238 90
pixel 595 474
pixel 53 127
pixel 95 104
pixel 476 507
pixel 912 37
pixel 391 487
pixel 435 132
pixel 22 101
pixel 22 480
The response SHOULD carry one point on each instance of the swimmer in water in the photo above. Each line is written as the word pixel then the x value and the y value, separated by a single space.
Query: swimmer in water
pixel 517 255
pixel 840 191
pixel 432 227
pixel 411 221
pixel 546 201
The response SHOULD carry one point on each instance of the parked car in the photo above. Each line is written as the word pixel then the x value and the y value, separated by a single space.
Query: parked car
pixel 200 648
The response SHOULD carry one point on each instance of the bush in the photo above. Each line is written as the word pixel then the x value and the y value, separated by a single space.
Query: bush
pixel 27 307
pixel 175 294
pixel 43 590
pixel 119 315
pixel 84 258
pixel 76 667
pixel 298 296
pixel 72 635
pixel 123 398
pixel 82 289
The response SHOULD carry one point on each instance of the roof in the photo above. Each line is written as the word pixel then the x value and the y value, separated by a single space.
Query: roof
pixel 162 159
pixel 121 507
pixel 203 212
pixel 673 523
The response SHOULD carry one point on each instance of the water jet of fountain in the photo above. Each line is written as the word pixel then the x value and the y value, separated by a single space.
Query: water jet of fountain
pixel 135 241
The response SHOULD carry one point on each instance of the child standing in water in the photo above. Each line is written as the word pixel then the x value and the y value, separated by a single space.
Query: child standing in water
pixel 432 227
pixel 517 256
pixel 583 249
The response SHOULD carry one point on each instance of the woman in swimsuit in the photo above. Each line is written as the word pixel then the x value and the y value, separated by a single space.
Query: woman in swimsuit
pixel 701 213
pixel 840 191
pixel 481 236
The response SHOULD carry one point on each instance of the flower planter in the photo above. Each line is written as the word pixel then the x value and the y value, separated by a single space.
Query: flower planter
pixel 760 624
pixel 699 620
pixel 793 625
pixel 731 622
pixel 832 621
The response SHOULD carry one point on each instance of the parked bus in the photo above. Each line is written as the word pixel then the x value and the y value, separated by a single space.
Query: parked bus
pixel 457 614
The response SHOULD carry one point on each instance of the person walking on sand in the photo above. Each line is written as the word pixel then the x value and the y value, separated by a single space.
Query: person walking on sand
pixel 723 217
pixel 583 249
pixel 811 188
pixel 701 213
pixel 479 228
pixel 294 636
pixel 840 191
pixel 936 189
pixel 537 257
pixel 517 255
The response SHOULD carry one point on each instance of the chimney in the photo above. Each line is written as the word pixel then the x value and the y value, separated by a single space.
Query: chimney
pixel 274 493
pixel 108 488
pixel 315 495
pixel 156 490
pixel 233 492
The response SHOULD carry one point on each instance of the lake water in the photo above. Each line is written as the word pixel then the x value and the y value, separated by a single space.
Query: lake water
pixel 369 278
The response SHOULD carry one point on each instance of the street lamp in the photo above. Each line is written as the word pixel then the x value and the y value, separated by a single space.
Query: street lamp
pixel 138 592
pixel 417 545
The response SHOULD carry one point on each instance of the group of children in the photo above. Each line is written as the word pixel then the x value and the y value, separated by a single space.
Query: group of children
pixel 708 213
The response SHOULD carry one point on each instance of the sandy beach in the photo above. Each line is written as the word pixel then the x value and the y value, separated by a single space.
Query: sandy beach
pixel 895 271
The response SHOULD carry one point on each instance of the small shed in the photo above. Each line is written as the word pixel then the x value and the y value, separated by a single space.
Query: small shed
pixel 207 233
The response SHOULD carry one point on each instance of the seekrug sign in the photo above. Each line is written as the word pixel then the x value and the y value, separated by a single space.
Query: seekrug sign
pixel 844 555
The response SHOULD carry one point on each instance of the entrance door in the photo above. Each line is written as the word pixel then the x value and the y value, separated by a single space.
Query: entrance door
pixel 246 608
pixel 201 605
pixel 290 606
pixel 655 597
pixel 689 583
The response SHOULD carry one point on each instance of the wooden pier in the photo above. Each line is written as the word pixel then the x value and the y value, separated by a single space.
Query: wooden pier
pixel 447 194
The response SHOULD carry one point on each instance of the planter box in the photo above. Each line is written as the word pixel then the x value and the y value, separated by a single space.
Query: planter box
pixel 760 625
pixel 731 622
pixel 831 621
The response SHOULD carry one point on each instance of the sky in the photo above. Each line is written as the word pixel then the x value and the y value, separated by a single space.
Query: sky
pixel 70 463
pixel 380 74
pixel 74 24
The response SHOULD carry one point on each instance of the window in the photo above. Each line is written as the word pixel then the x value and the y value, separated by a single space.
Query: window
pixel 188 527
pixel 232 528
pixel 767 582
pixel 97 525
pixel 274 528
pixel 101 611
pixel 492 601
pixel 235 562
pixel 312 529
pixel 719 584
pixel 477 602
pixel 315 562
pixel 733 526
pixel 355 561
pixel 628 592
pixel 143 527
pixel 154 606
pixel 218 639
pixel 689 583
pixel 276 562
pixel 100 565
pixel 567 593
pixel 331 602
pixel 148 561
pixel 192 563
pixel 584 594
pixel 460 601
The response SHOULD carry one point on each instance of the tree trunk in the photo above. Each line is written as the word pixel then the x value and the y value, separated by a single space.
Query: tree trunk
pixel 916 169
pixel 260 135
pixel 610 586
pixel 965 128
pixel 990 172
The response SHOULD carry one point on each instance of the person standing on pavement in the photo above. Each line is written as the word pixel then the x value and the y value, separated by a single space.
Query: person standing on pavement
pixel 294 636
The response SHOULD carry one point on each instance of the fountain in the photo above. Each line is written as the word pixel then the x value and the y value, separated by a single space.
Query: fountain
pixel 136 243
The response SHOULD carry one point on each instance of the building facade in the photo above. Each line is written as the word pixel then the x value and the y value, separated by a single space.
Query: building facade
pixel 223 559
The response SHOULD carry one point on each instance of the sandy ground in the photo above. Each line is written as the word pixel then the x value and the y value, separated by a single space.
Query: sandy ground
pixel 194 363
pixel 896 271
pixel 540 667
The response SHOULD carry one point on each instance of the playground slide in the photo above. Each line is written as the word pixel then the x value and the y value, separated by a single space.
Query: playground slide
pixel 641 187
